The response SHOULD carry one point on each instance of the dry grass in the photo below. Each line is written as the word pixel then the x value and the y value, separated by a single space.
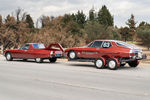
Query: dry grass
pixel 145 51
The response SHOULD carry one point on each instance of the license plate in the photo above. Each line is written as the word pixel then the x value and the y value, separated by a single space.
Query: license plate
pixel 58 55
pixel 58 52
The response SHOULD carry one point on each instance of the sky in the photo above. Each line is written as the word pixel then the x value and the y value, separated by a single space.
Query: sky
pixel 120 9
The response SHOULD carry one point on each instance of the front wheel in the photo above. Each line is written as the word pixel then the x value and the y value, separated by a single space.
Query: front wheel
pixel 39 60
pixel 8 57
pixel 53 60
pixel 133 63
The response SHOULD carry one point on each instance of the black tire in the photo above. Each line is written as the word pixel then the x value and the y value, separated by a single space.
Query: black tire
pixel 53 60
pixel 133 63
pixel 112 64
pixel 24 59
pixel 72 55
pixel 8 56
pixel 99 63
pixel 38 60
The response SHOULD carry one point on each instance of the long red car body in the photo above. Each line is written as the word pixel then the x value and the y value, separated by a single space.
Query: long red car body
pixel 31 52
pixel 119 51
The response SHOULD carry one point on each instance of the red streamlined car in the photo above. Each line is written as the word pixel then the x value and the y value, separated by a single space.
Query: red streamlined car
pixel 35 51
pixel 110 53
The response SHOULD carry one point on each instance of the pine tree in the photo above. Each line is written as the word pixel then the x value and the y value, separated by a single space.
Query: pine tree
pixel 73 17
pixel 132 27
pixel 91 14
pixel 67 18
pixel 124 33
pixel 80 18
pixel 29 21
pixel 105 17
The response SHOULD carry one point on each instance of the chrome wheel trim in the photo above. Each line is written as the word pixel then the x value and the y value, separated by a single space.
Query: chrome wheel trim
pixel 99 63
pixel 8 56
pixel 38 59
pixel 72 55
pixel 112 64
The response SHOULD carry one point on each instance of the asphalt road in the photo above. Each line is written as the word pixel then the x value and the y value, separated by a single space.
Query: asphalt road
pixel 71 81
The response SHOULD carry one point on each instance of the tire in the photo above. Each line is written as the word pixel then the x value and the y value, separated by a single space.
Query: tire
pixel 24 59
pixel 39 60
pixel 112 64
pixel 133 63
pixel 53 60
pixel 8 56
pixel 72 55
pixel 99 63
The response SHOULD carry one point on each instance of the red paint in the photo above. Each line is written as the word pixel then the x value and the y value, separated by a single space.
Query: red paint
pixel 114 51
pixel 32 52
pixel 107 49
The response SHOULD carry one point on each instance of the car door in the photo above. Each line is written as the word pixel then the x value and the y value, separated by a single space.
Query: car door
pixel 92 50
pixel 106 49
pixel 24 51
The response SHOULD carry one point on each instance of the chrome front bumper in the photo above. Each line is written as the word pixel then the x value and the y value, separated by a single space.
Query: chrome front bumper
pixel 134 58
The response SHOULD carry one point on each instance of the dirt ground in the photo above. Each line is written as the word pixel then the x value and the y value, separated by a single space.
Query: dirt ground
pixel 145 51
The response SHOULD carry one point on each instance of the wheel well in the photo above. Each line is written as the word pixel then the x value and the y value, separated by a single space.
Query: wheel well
pixel 69 51
pixel 7 52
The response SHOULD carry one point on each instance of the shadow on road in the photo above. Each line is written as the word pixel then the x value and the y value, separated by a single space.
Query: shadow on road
pixel 82 65
pixel 92 66
pixel 31 61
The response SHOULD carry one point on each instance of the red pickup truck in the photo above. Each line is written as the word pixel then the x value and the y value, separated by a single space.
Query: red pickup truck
pixel 35 51
pixel 110 53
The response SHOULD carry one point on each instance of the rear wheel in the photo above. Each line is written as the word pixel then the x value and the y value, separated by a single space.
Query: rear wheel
pixel 72 55
pixel 8 56
pixel 133 63
pixel 99 63
pixel 112 64
pixel 39 60
pixel 53 60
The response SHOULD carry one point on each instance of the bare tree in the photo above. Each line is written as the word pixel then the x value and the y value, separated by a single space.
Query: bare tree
pixel 20 14
pixel 45 21
pixel 37 23
pixel 1 21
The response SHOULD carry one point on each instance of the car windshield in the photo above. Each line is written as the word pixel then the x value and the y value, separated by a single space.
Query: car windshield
pixel 38 46
pixel 124 44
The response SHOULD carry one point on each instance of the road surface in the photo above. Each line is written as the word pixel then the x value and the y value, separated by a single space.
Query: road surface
pixel 21 80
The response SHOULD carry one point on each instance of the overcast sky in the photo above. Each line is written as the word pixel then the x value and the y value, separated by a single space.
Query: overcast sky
pixel 120 9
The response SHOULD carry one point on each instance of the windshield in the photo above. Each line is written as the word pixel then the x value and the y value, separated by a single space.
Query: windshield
pixel 38 46
pixel 124 44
